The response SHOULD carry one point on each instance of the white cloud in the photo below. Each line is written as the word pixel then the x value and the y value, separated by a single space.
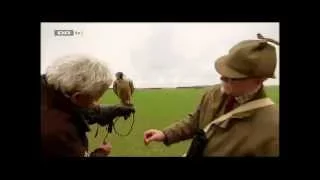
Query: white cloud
pixel 155 54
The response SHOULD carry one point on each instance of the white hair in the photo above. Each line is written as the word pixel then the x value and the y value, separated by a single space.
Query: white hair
pixel 79 73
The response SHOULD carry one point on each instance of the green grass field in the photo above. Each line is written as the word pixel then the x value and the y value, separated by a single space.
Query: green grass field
pixel 154 109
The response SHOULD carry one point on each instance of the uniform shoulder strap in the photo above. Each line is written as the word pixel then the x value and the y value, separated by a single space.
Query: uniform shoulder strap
pixel 259 103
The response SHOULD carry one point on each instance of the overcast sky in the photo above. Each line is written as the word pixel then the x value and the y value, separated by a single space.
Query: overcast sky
pixel 155 54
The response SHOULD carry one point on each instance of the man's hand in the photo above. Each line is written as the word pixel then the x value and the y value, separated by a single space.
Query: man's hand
pixel 106 147
pixel 153 135
pixel 124 111
pixel 103 151
pixel 108 113
pixel 104 114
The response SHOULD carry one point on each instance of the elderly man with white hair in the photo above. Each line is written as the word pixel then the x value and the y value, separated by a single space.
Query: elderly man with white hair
pixel 70 89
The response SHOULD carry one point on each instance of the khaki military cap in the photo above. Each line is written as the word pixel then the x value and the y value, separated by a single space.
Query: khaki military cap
pixel 249 58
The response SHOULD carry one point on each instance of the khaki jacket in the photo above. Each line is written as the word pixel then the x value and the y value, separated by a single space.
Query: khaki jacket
pixel 253 133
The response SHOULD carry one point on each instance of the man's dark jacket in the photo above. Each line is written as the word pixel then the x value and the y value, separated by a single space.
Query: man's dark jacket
pixel 63 126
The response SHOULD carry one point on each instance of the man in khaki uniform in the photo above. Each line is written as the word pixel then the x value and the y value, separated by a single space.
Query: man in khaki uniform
pixel 252 133
pixel 123 88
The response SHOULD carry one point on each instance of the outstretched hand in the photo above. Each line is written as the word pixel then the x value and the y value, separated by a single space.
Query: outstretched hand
pixel 153 135
pixel 124 111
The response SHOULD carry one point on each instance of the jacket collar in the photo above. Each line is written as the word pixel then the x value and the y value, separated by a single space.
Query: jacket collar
pixel 247 97
pixel 55 99
pixel 259 94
